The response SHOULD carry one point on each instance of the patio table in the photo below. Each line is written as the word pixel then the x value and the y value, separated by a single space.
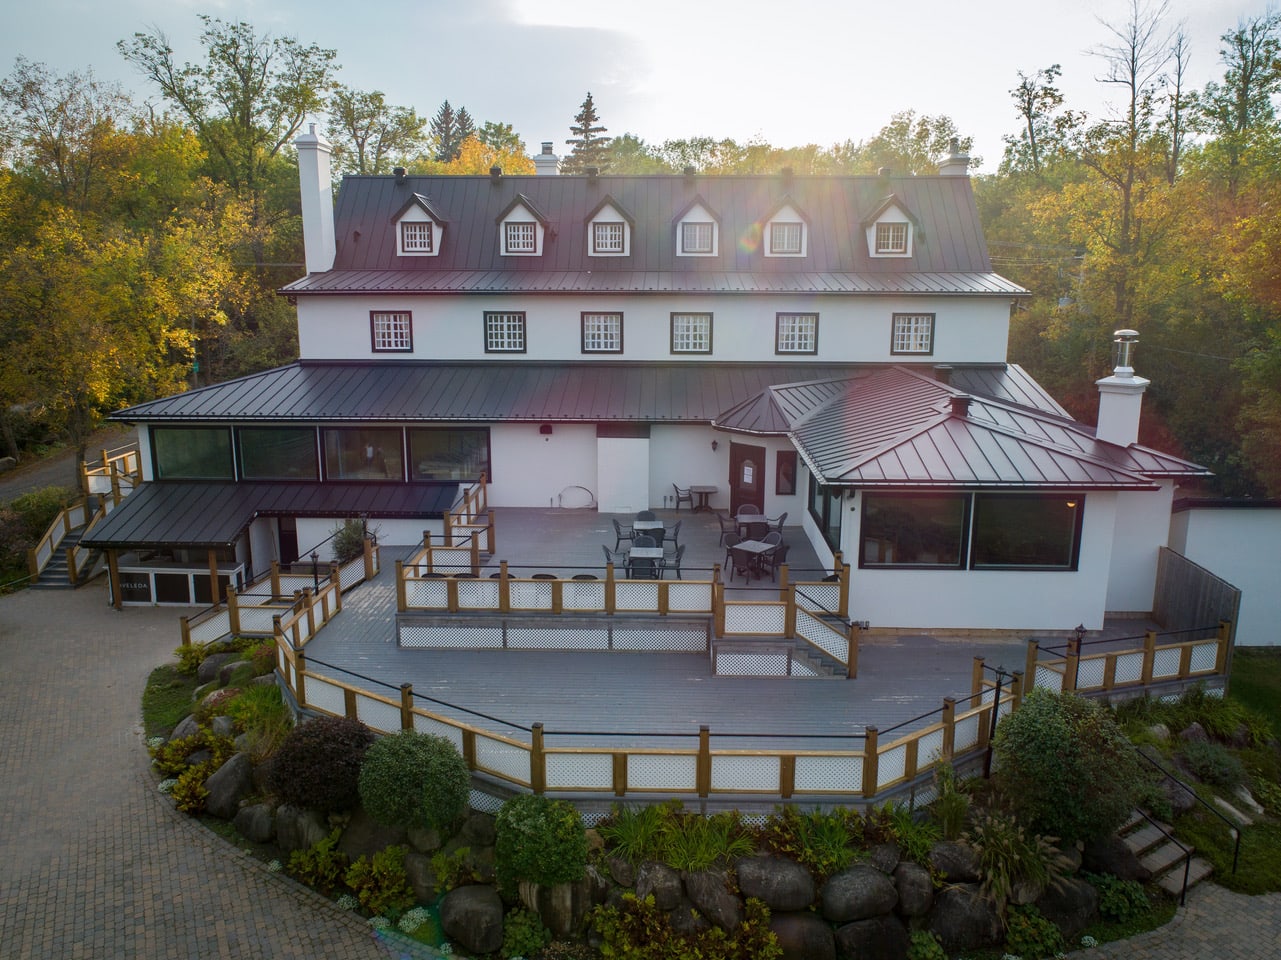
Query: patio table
pixel 654 554
pixel 639 525
pixel 702 491
pixel 754 549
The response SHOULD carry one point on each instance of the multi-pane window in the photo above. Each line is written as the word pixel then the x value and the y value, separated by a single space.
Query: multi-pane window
pixel 691 333
pixel 415 237
pixel 454 453
pixel 891 238
pixel 278 453
pixel 505 332
pixel 360 453
pixel 191 453
pixel 391 331
pixel 785 237
pixel 796 333
pixel 519 236
pixel 697 236
pixel 607 237
pixel 913 333
pixel 602 333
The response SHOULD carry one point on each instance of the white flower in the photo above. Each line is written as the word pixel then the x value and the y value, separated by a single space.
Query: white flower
pixel 1089 941
pixel 347 902
pixel 413 919
pixel 275 866
pixel 380 923
pixel 166 786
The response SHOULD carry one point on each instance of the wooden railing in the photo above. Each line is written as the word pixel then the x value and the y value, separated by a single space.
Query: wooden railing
pixel 118 473
pixel 68 518
pixel 470 520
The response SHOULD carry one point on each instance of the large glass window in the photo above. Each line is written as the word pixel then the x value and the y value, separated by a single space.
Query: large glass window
pixel 191 453
pixel 391 332
pixel 691 333
pixel 363 454
pixel 913 530
pixel 825 508
pixel 796 333
pixel 449 453
pixel 602 333
pixel 1023 531
pixel 278 453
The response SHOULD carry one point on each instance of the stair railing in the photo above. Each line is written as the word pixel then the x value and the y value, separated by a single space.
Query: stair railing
pixel 1233 828
pixel 1187 854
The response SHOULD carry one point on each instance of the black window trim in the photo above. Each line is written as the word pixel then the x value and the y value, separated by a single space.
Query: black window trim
pixel 373 332
pixel 671 332
pixel 778 316
pixel 903 314
pixel 582 330
pixel 524 331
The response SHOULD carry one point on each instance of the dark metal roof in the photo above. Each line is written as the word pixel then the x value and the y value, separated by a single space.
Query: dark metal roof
pixel 456 392
pixel 950 254
pixel 213 515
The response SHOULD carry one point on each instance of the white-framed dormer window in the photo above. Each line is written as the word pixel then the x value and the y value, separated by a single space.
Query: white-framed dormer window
pixel 416 237
pixel 602 332
pixel 691 333
pixel 698 237
pixel 391 331
pixel 892 238
pixel 786 238
pixel 913 333
pixel 609 237
pixel 796 333
pixel 505 331
pixel 520 237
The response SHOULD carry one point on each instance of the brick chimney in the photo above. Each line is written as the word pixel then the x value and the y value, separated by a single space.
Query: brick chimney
pixel 1121 395
pixel 956 164
pixel 547 164
pixel 317 200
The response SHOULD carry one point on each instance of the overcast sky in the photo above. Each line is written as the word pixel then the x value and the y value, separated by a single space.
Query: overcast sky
pixel 788 72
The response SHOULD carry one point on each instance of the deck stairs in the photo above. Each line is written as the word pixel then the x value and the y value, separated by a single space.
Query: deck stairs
pixel 1151 842
pixel 55 576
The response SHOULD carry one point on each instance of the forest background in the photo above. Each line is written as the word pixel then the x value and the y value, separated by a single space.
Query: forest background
pixel 142 244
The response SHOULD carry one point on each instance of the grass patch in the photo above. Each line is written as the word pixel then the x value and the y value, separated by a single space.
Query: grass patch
pixel 166 700
pixel 1256 682
pixel 1259 868
pixel 1160 913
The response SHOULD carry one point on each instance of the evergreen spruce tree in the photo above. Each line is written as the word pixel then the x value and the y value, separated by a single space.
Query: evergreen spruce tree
pixel 464 127
pixel 590 149
pixel 445 131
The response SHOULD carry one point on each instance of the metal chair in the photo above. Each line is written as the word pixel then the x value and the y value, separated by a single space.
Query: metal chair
pixel 643 568
pixel 646 515
pixel 672 560
pixel 741 561
pixel 620 534
pixel 775 558
pixel 728 540
pixel 616 557
pixel 644 540
pixel 674 533
pixel 749 510
pixel 778 524
pixel 728 527
pixel 756 531
pixel 683 496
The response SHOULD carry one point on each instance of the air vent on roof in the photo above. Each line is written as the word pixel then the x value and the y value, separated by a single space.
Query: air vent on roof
pixel 495 173
pixel 593 173
pixel 943 372
pixel 399 173
pixel 689 173
pixel 960 405
pixel 884 173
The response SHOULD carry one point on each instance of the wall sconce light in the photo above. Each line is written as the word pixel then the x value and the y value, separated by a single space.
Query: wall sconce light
pixel 545 430
pixel 1071 504
pixel 714 446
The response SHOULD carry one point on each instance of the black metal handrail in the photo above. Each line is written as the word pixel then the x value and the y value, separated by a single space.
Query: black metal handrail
pixel 1233 828
pixel 1187 854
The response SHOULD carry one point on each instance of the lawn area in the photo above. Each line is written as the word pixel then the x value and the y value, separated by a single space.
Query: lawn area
pixel 1256 682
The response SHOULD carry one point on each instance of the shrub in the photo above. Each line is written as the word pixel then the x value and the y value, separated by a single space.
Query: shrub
pixel 190 793
pixel 914 837
pixel 173 758
pixel 37 509
pixel 1066 767
pixel 216 704
pixel 191 656
pixel 414 780
pixel 539 840
pixel 349 540
pixel 635 833
pixel 823 841
pixel 1009 857
pixel 381 883
pixel 953 804
pixel 261 713
pixel 454 869
pixel 523 934
pixel 321 866
pixel 692 842
pixel 636 929
pixel 1028 934
pixel 318 764
pixel 923 945
pixel 1119 900
pixel 1212 763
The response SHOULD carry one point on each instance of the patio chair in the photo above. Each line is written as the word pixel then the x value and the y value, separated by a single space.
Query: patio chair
pixel 616 557
pixel 749 510
pixel 778 524
pixel 740 561
pixel 620 534
pixel 756 531
pixel 646 515
pixel 644 540
pixel 674 534
pixel 643 568
pixel 672 560
pixel 774 559
pixel 683 496
pixel 728 528
pixel 729 540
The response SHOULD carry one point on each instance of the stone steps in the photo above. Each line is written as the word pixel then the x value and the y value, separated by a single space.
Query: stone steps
pixel 1161 856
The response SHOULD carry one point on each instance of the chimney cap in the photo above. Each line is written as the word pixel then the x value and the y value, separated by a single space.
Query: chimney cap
pixel 399 173
pixel 547 146
pixel 960 404
pixel 495 172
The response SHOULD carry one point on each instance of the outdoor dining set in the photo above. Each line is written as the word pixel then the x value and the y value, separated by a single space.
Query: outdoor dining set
pixel 648 549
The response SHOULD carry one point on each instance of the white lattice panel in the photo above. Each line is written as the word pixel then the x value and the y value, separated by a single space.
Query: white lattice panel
pixel 636 595
pixel 650 772
pixel 1089 673
pixel 925 794
pixel 503 759
pixel 323 695
pixel 1048 678
pixel 478 594
pixel 802 669
pixel 377 715
pixel 484 802
pixel 693 597
pixel 259 619
pixel 583 595
pixel 286 671
pixel 762 618
pixel 681 641
pixel 822 636
pixel 967 732
pixel 1204 657
pixel 530 594
pixel 291 583
pixel 445 637
pixel 1165 663
pixel 1129 667
pixel 580 771
pixel 448 731
pixel 215 628
pixel 432 594
pixel 732 774
pixel 829 774
pixel 929 748
pixel 892 765
pixel 751 664
pixel 521 638
pixel 819 596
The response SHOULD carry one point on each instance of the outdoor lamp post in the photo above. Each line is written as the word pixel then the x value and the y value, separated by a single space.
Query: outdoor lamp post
pixel 996 710
pixel 315 571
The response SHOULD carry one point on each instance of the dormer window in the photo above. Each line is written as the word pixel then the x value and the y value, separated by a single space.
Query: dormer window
pixel 416 237
pixel 698 237
pixel 891 238
pixel 785 238
pixel 608 237
pixel 522 230
pixel 419 228
pixel 520 236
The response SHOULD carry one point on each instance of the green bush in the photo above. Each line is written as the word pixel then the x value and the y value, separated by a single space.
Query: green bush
pixel 453 870
pixel 1010 856
pixel 1212 763
pixel 1030 935
pixel 523 934
pixel 952 806
pixel 381 883
pixel 37 509
pixel 1120 901
pixel 190 793
pixel 692 842
pixel 635 833
pixel 539 840
pixel 349 540
pixel 823 841
pixel 637 930
pixel 414 780
pixel 1066 767
pixel 1220 717
pixel 321 866
pixel 923 945
pixel 318 764
pixel 173 758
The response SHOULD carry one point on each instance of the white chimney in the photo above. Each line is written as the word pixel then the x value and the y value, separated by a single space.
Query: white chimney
pixel 547 164
pixel 1121 395
pixel 956 164
pixel 317 200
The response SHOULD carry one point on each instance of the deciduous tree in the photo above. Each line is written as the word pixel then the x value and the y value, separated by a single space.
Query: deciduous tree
pixel 369 135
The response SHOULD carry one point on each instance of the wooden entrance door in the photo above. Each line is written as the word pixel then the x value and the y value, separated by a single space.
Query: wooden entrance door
pixel 746 476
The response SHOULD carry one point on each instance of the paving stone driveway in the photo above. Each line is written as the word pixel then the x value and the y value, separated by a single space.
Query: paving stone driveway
pixel 95 864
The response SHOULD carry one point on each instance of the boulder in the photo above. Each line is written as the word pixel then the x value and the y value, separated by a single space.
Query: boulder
pixel 223 726
pixel 803 936
pixel 228 785
pixel 1194 733
pixel 955 862
pixel 963 919
pixel 686 921
pixel 473 916
pixel 661 881
pixel 1111 855
pixel 1071 905
pixel 364 836
pixel 623 873
pixel 230 667
pixel 877 938
pixel 187 727
pixel 256 822
pixel 884 857
pixel 915 889
pixel 478 829
pixel 422 877
pixel 709 892
pixel 7 463
pixel 1159 731
pixel 560 906
pixel 298 828
pixel 784 885
pixel 858 893
pixel 423 839
pixel 207 672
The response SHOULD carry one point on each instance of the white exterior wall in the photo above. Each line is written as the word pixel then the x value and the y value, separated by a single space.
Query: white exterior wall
pixel 531 470
pixel 683 454
pixel 263 544
pixel 1238 545
pixel 1142 525
pixel 743 328
pixel 987 599
pixel 622 474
